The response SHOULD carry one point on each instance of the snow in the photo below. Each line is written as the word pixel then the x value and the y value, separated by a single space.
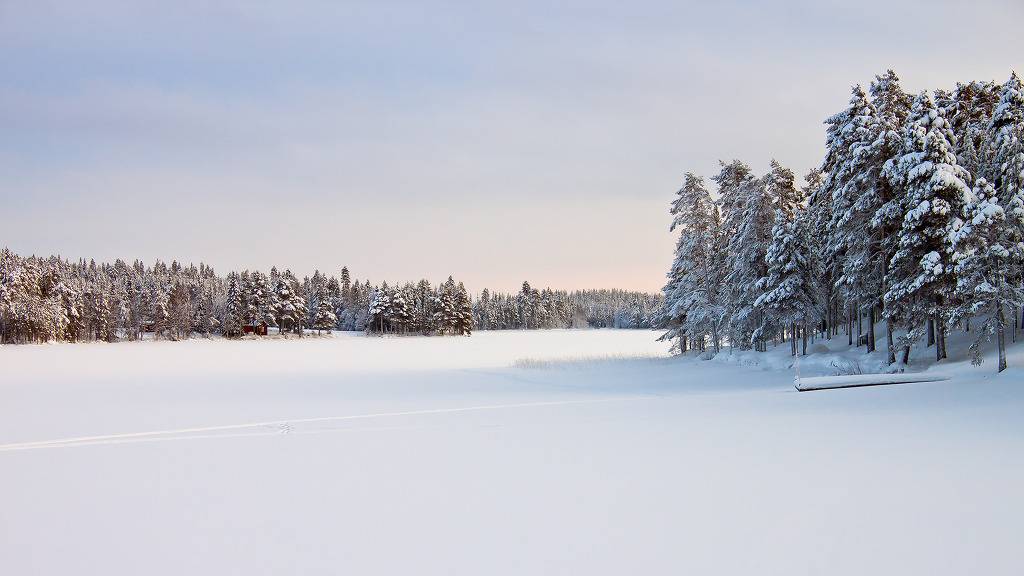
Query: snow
pixel 855 380
pixel 550 452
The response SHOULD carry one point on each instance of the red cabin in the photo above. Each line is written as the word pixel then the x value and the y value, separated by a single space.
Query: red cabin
pixel 259 329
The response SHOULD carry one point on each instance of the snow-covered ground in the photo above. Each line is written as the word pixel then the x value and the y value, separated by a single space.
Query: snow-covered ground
pixel 562 452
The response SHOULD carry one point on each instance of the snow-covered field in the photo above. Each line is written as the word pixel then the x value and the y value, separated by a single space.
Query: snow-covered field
pixel 559 452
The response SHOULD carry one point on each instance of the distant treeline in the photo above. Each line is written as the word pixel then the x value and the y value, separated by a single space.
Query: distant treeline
pixel 45 299
pixel 531 308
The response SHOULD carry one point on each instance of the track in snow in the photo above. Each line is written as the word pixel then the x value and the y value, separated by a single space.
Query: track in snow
pixel 273 426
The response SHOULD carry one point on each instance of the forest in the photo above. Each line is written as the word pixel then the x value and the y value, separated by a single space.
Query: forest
pixel 914 223
pixel 52 299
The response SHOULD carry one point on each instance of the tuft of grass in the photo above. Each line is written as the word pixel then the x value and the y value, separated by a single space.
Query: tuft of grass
pixel 845 367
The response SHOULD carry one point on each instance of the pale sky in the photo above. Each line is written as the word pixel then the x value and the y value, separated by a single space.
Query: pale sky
pixel 494 141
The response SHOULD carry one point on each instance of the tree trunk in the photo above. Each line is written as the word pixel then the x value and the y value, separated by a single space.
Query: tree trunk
pixel 849 325
pixel 931 331
pixel 1001 336
pixel 940 335
pixel 860 323
pixel 891 356
pixel 871 328
pixel 906 354
pixel 792 339
pixel 803 333
pixel 933 335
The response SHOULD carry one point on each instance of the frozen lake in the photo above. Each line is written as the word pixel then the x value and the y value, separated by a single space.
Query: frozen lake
pixel 561 452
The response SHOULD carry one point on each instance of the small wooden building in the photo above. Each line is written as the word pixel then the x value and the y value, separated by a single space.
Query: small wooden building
pixel 259 329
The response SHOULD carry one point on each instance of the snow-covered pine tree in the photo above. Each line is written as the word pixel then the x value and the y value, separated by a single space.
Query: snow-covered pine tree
pixel 892 106
pixel 285 313
pixel 298 303
pixel 780 185
pixel 159 314
pixel 970 116
pixel 345 282
pixel 986 259
pixel 790 288
pixel 205 317
pixel 481 310
pixel 673 314
pixel 179 312
pixel 818 216
pixel 731 180
pixel 234 314
pixel 447 314
pixel 464 308
pixel 848 244
pixel 401 311
pixel 752 218
pixel 526 303
pixel 858 192
pixel 380 305
pixel 269 304
pixel 1006 168
pixel 921 275
pixel 423 308
pixel 692 309
pixel 337 303
pixel 324 319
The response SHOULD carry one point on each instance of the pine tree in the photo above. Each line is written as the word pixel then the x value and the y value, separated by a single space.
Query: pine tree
pixel 231 324
pixel 160 315
pixel 464 311
pixel 985 258
pixel 286 315
pixel 179 313
pixel 400 311
pixel 424 308
pixel 692 308
pixel 297 304
pixel 446 318
pixel 324 318
pixel 380 304
pixel 345 285
pixel 892 106
pixel 790 290
pixel 335 299
pixel 818 215
pixel 922 278
pixel 970 115
pixel 527 307
pixel 780 185
pixel 752 219
pixel 731 181
pixel 1006 168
